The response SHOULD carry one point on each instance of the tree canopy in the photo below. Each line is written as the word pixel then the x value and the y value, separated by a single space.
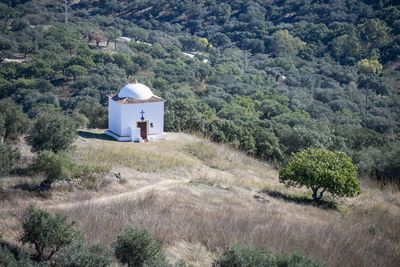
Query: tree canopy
pixel 322 170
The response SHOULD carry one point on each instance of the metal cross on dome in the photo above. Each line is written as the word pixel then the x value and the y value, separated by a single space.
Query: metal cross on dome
pixel 142 112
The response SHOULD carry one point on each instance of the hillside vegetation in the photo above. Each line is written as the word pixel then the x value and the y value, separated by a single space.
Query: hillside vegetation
pixel 281 76
pixel 256 82
pixel 208 197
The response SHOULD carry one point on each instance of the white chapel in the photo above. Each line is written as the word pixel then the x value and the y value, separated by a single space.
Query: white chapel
pixel 135 114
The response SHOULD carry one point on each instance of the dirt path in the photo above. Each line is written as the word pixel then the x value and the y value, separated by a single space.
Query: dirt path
pixel 162 185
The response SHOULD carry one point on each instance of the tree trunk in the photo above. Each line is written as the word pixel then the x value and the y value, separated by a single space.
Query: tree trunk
pixel 314 194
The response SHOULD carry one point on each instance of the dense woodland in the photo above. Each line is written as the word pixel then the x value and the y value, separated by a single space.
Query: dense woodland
pixel 281 76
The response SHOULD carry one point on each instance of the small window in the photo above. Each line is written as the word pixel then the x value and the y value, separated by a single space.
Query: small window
pixel 151 125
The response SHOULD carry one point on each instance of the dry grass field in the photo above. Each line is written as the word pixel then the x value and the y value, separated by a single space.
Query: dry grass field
pixel 197 197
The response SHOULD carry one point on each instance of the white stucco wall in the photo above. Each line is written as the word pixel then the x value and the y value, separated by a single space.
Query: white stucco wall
pixel 130 114
pixel 114 116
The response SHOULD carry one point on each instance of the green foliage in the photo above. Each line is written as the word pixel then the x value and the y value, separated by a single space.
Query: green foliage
pixel 245 256
pixel 322 170
pixel 48 234
pixel 54 166
pixel 75 71
pixel 15 122
pixel 138 248
pixel 2 126
pixel 300 85
pixel 52 131
pixel 374 33
pixel 8 259
pixel 346 46
pixel 95 112
pixel 26 48
pixel 77 254
pixel 283 43
pixel 369 67
pixel 9 157
pixel 382 163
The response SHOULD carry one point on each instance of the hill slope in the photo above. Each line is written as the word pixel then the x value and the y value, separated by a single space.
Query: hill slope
pixel 198 197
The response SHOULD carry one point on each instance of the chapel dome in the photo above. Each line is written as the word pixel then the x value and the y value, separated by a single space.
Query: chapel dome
pixel 136 91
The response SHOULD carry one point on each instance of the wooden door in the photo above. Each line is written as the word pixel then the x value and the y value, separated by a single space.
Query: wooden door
pixel 143 128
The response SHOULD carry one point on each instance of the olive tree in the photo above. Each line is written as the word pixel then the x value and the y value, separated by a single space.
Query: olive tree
pixel 48 234
pixel 322 171
pixel 138 248
pixel 9 157
pixel 52 131
pixel 77 254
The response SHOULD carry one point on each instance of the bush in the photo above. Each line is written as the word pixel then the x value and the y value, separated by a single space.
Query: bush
pixel 380 163
pixel 47 233
pixel 137 248
pixel 15 122
pixel 52 131
pixel 9 157
pixel 8 259
pixel 241 256
pixel 54 166
pixel 77 254
pixel 322 170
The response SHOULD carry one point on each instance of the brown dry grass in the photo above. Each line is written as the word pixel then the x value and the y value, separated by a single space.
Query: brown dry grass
pixel 197 197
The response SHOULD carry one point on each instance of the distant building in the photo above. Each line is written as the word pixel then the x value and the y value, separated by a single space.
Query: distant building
pixel 136 114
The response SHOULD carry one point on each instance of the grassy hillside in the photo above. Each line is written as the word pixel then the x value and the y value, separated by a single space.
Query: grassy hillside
pixel 198 197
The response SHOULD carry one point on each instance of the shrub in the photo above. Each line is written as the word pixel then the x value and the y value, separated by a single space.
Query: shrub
pixel 15 122
pixel 47 233
pixel 322 170
pixel 54 166
pixel 77 254
pixel 137 248
pixel 8 259
pixel 9 157
pixel 241 256
pixel 52 131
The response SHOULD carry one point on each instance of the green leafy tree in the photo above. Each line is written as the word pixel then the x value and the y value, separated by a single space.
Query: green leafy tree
pixel 48 234
pixel 75 71
pixel 77 254
pixel 131 69
pixel 322 170
pixel 374 34
pixel 121 59
pixel 95 112
pixel 82 60
pixel 345 46
pixel 138 248
pixel 15 122
pixel 41 68
pixel 54 166
pixel 246 256
pixel 7 258
pixel 283 43
pixel 70 43
pixel 26 48
pixel 143 60
pixel 369 67
pixel 136 33
pixel 9 157
pixel 52 131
